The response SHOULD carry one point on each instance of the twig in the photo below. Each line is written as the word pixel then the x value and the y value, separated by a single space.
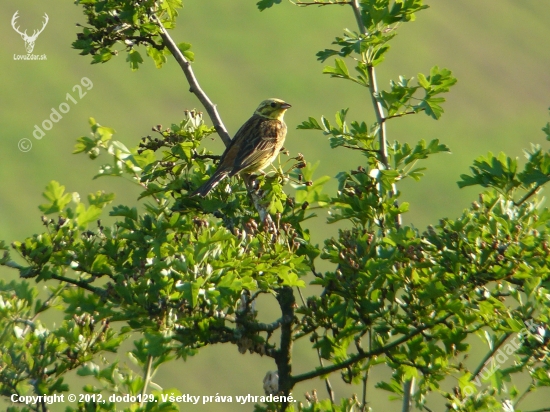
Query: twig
pixel 398 115
pixel 206 156
pixel 379 110
pixel 377 104
pixel 490 354
pixel 146 379
pixel 408 387
pixel 371 353
pixel 528 195
pixel 258 326
pixel 364 397
pixel 81 284
pixel 357 11
pixel 314 3
pixel 194 84
pixel 360 148
pixel 524 394
pixel 328 385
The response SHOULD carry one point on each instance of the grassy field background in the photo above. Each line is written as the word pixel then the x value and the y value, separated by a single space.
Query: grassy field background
pixel 499 51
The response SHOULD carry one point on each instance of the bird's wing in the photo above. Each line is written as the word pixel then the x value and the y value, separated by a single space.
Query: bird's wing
pixel 260 138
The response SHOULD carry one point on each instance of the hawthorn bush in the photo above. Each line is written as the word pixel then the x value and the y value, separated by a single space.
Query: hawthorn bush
pixel 182 272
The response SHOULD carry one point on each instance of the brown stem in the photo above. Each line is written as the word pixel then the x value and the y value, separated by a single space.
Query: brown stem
pixel 364 355
pixel 194 86
pixel 81 284
pixel 377 105
pixel 283 356
pixel 314 3
pixel 528 195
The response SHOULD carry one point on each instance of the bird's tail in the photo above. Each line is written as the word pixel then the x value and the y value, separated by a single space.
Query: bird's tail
pixel 211 184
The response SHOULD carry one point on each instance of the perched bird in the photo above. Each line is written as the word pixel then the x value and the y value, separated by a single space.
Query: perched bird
pixel 256 144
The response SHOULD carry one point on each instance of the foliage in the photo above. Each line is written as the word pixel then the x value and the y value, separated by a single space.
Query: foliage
pixel 184 272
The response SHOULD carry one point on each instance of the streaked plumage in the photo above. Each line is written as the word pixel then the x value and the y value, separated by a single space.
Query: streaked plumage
pixel 255 145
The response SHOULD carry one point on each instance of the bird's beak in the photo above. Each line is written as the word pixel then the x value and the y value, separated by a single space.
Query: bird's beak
pixel 285 106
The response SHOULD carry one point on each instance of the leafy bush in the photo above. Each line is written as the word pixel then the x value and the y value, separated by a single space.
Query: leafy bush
pixel 184 272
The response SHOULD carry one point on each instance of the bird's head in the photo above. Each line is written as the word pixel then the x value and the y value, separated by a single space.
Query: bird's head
pixel 272 109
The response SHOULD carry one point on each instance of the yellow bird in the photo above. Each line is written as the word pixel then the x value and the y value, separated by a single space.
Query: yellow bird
pixel 256 144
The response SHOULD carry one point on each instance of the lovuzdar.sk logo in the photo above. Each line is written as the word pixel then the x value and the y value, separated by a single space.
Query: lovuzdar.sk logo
pixel 28 39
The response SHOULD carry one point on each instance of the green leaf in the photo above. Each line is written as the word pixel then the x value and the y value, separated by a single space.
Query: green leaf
pixel 185 50
pixel 171 6
pixel 100 198
pixel 546 130
pixel 265 4
pixel 439 81
pixel 85 216
pixel 416 173
pixel 432 107
pixel 490 171
pixel 101 265
pixel 341 71
pixel 135 59
pixel 311 123
pixel 55 194
pixel 102 56
pixel 390 387
pixel 157 55
pixel 325 54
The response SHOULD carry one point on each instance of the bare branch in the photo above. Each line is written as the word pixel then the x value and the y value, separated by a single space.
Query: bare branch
pixel 399 115
pixel 316 3
pixel 360 148
pixel 146 379
pixel 194 84
pixel 357 11
pixel 408 388
pixel 528 195
pixel 364 355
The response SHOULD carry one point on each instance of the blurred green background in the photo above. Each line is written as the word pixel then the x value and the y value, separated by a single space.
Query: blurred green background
pixel 498 50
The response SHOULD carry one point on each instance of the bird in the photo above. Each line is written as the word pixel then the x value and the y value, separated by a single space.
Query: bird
pixel 255 145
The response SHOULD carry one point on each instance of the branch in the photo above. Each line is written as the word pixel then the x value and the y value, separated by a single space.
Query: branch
pixel 283 356
pixel 328 385
pixel 194 84
pixel 206 156
pixel 146 379
pixel 528 195
pixel 258 326
pixel 81 284
pixel 408 388
pixel 377 104
pixel 357 11
pixel 399 115
pixel 490 354
pixel 379 110
pixel 314 3
pixel 360 148
pixel 364 355
pixel 364 390
pixel 524 394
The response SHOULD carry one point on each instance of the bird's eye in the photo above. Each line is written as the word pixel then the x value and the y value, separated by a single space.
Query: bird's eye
pixel 273 104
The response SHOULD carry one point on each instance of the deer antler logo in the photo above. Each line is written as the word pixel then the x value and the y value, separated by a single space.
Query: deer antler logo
pixel 29 40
